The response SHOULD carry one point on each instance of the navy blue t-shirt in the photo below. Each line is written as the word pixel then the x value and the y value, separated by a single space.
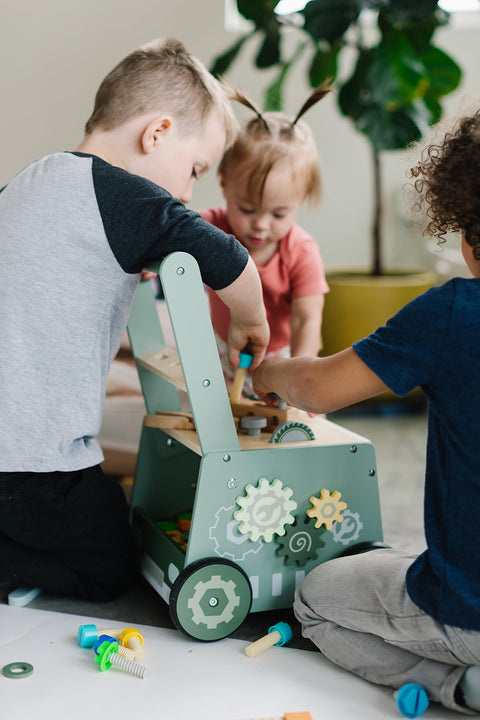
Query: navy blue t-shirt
pixel 434 342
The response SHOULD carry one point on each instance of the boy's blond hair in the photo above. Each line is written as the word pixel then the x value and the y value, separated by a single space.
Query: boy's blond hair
pixel 161 75
pixel 270 138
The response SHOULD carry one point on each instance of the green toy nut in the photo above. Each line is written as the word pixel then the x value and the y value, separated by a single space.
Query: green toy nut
pixel 103 653
pixel 284 630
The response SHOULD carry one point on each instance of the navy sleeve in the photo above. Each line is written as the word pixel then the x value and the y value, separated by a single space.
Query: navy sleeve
pixel 144 223
pixel 408 350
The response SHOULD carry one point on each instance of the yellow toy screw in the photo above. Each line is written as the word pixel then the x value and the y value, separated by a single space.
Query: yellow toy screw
pixel 131 638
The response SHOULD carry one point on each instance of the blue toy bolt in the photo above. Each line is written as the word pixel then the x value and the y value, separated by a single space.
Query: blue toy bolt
pixel 89 634
pixel 412 700
pixel 246 360
pixel 278 634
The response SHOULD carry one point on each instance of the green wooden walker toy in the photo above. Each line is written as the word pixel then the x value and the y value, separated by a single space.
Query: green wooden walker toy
pixel 262 513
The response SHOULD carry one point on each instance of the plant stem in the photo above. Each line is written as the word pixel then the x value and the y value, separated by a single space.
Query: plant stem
pixel 377 266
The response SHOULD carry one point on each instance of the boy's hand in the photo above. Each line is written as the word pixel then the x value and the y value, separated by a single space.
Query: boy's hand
pixel 318 384
pixel 266 378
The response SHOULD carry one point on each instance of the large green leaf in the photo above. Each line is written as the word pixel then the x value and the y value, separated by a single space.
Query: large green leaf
pixel 418 34
pixel 259 11
pixel 329 19
pixel 443 73
pixel 388 76
pixel 388 130
pixel 433 107
pixel 269 53
pixel 221 63
pixel 409 11
pixel 394 75
pixel 353 97
pixel 273 99
pixel 323 65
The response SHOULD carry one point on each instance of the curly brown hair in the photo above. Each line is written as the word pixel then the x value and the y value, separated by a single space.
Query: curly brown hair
pixel 448 183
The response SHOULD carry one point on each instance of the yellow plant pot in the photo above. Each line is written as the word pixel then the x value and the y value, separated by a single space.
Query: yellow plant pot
pixel 358 303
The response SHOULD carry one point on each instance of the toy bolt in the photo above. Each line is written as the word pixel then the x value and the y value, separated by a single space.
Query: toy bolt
pixel 237 386
pixel 89 634
pixel 281 404
pixel 278 634
pixel 253 423
pixel 123 651
pixel 107 655
pixel 131 638
pixel 412 700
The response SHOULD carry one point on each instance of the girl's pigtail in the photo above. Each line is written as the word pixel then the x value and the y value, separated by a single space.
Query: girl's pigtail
pixel 233 93
pixel 318 94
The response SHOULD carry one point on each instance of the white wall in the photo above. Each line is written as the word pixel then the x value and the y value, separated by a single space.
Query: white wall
pixel 54 53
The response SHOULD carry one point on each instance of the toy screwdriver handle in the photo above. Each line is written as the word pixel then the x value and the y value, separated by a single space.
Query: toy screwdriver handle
pixel 246 360
pixel 265 642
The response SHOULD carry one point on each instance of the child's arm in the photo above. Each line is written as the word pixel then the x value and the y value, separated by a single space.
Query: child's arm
pixel 318 385
pixel 248 319
pixel 305 325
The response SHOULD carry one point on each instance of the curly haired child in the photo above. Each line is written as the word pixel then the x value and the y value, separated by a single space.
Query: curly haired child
pixel 271 169
pixel 387 616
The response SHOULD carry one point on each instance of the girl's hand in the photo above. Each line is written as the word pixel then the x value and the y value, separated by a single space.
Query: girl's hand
pixel 147 275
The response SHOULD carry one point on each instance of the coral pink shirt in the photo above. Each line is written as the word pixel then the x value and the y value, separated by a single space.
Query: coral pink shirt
pixel 296 270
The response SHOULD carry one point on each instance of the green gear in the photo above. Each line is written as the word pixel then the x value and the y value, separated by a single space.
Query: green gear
pixel 300 542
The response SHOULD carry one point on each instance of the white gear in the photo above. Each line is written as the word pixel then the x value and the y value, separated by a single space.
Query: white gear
pixel 265 510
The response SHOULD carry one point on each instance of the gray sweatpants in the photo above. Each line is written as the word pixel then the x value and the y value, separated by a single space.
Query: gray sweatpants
pixel 357 611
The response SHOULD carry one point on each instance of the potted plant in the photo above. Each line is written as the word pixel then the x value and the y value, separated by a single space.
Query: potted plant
pixel 391 93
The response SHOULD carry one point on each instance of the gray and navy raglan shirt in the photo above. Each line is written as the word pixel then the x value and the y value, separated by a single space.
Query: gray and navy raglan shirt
pixel 75 233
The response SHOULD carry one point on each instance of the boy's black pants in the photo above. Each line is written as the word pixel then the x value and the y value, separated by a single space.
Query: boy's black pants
pixel 67 533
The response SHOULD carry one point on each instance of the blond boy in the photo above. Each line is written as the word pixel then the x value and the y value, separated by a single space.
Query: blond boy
pixel 77 228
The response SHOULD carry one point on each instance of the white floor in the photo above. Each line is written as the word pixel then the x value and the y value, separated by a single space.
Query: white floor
pixel 185 680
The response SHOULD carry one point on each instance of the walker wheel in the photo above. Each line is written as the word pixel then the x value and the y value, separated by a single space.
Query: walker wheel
pixel 210 599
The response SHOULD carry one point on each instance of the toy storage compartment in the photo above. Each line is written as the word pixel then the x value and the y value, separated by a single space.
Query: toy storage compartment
pixel 166 481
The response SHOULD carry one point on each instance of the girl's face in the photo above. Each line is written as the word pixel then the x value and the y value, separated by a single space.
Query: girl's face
pixel 260 224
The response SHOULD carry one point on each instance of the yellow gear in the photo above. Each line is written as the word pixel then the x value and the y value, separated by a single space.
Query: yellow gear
pixel 327 508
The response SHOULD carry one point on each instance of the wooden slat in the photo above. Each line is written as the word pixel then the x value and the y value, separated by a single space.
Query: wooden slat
pixel 170 421
pixel 166 364
pixel 326 433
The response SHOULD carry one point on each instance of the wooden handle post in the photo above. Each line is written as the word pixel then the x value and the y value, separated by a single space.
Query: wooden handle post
pixel 237 387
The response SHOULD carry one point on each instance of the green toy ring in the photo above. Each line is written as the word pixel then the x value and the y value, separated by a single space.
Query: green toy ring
pixel 17 670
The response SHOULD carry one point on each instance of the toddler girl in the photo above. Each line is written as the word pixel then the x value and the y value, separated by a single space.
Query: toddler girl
pixel 266 175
